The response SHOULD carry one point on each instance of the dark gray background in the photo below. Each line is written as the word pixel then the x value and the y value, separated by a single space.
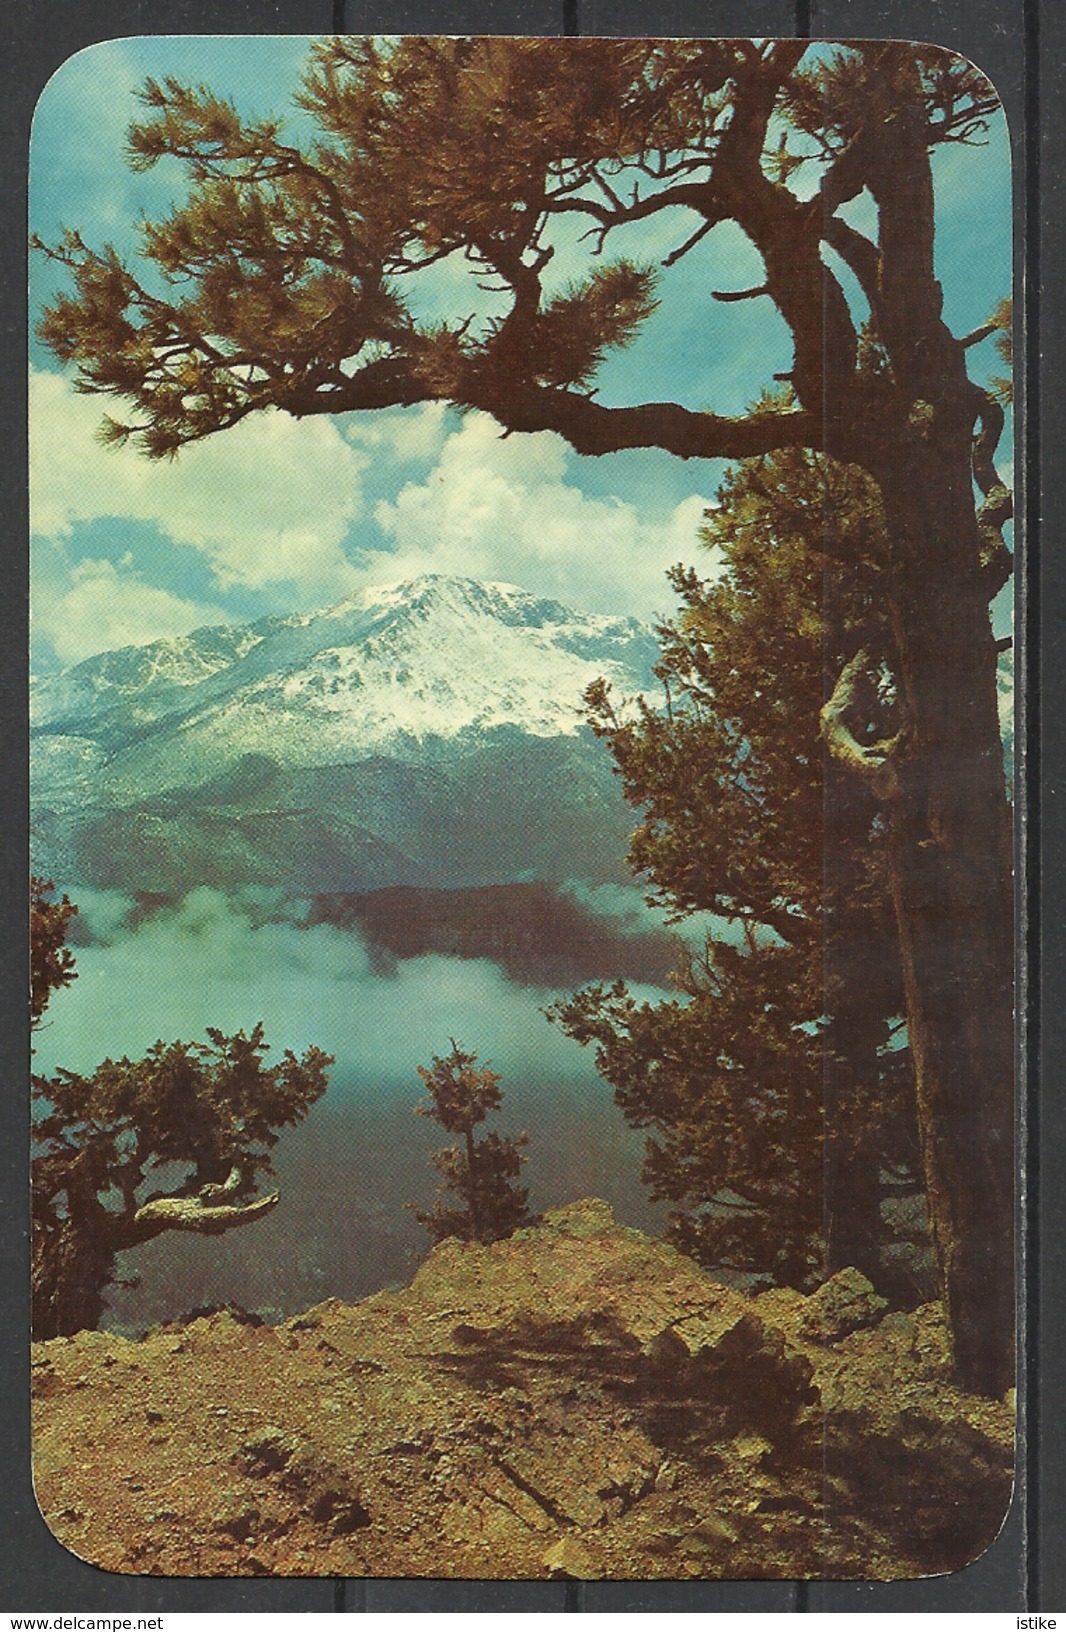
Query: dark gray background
pixel 1021 44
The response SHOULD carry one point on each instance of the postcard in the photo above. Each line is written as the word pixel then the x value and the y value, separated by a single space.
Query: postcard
pixel 521 767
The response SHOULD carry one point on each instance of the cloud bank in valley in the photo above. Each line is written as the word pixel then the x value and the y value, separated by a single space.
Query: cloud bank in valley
pixel 228 961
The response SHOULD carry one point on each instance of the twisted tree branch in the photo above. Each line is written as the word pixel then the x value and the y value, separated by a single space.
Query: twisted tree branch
pixel 194 1213
pixel 213 1210
pixel 997 562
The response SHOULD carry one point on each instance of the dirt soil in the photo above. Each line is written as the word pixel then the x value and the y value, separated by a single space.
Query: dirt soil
pixel 576 1401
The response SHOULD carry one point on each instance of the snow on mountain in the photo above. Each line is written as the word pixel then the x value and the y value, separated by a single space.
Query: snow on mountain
pixel 450 682
pixel 387 672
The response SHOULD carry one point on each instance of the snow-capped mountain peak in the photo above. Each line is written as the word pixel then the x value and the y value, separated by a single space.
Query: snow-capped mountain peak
pixel 430 674
pixel 431 657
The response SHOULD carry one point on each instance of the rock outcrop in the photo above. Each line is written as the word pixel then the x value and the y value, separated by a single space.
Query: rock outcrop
pixel 576 1401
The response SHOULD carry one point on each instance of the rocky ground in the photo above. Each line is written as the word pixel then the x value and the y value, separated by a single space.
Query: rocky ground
pixel 577 1401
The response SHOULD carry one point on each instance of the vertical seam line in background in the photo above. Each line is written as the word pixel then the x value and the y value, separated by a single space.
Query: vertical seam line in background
pixel 340 1589
pixel 801 1604
pixel 571 20
pixel 1030 790
pixel 574 1595
pixel 339 1586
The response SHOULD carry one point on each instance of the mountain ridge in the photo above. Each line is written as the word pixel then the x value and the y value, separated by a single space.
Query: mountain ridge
pixel 439 698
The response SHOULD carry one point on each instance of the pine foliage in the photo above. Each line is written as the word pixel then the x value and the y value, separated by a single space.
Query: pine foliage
pixel 51 959
pixel 771 1070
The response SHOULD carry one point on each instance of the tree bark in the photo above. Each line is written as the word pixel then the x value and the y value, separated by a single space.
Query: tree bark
pixel 71 1267
pixel 852 1203
pixel 860 961
pixel 473 1199
pixel 73 1263
pixel 949 857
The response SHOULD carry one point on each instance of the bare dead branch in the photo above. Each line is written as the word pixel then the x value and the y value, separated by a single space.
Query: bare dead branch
pixel 193 1213
pixel 979 334
pixel 739 294
pixel 690 243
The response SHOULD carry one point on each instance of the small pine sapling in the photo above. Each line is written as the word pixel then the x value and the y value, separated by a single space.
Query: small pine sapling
pixel 479 1173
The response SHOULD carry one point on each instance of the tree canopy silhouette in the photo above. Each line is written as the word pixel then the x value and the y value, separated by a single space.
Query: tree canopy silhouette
pixel 290 279
pixel 51 960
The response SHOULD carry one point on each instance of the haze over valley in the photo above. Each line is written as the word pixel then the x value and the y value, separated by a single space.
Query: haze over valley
pixel 373 827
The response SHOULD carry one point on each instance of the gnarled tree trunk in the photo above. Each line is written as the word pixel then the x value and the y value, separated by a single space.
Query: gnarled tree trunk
pixel 941 786
pixel 950 875
pixel 74 1256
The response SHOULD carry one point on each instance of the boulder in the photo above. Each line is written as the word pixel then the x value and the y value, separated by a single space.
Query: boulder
pixel 733 1359
pixel 569 1559
pixel 843 1304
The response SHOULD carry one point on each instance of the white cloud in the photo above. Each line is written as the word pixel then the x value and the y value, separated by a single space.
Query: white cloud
pixel 104 607
pixel 269 505
pixel 269 501
pixel 408 434
pixel 228 961
pixel 502 508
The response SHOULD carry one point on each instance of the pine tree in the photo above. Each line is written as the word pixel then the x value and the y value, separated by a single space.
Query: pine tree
pixel 773 1096
pixel 211 1109
pixel 288 269
pixel 480 1173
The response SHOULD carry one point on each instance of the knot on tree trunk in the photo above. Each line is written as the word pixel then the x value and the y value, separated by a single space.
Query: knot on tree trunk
pixel 873 761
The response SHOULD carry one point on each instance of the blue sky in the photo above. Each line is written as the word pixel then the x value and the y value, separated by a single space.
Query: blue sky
pixel 285 516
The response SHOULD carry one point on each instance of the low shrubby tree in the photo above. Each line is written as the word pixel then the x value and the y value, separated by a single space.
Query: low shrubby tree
pixel 480 1174
pixel 207 1111
pixel 203 1116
